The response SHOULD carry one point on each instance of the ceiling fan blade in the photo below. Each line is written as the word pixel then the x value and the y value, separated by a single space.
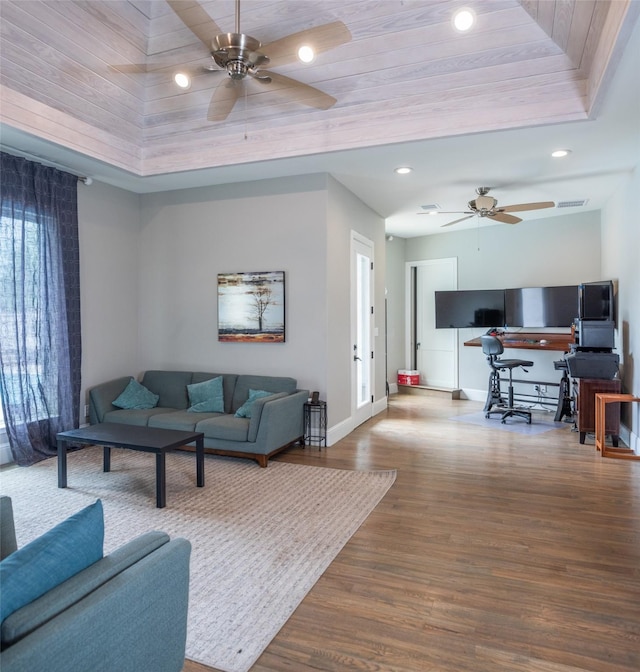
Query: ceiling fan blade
pixel 527 206
pixel 455 221
pixel 196 19
pixel 320 38
pixel 295 90
pixel 504 218
pixel 446 212
pixel 223 99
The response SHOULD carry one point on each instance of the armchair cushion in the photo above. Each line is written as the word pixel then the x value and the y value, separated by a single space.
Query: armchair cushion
pixel 57 555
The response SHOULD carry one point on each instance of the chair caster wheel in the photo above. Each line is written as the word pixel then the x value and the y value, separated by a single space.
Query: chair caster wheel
pixel 486 415
pixel 504 422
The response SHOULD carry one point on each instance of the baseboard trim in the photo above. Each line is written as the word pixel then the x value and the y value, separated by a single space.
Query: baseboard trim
pixel 344 428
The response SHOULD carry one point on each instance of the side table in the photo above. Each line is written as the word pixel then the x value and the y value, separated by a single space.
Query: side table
pixel 315 423
pixel 601 403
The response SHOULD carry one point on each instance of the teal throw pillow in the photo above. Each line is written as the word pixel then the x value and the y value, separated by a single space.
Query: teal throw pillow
pixel 206 397
pixel 245 410
pixel 59 554
pixel 136 395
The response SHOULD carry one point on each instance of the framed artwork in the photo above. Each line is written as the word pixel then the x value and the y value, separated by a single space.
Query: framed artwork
pixel 251 307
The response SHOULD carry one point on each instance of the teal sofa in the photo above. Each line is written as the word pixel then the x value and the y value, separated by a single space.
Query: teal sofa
pixel 127 611
pixel 275 422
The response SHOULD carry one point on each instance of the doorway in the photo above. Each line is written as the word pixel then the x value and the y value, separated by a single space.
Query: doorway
pixel 362 383
pixel 433 352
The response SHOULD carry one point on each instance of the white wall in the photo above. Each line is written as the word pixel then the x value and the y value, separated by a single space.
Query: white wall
pixel 189 236
pixel 347 213
pixel 621 261
pixel 562 250
pixel 109 233
pixel 395 286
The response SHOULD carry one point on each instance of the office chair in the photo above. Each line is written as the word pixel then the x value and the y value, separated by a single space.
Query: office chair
pixel 492 347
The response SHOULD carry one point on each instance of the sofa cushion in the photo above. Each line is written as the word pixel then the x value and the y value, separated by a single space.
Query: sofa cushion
pixel 136 396
pixel 267 383
pixel 206 397
pixel 171 386
pixel 183 420
pixel 56 556
pixel 226 427
pixel 245 410
pixel 228 385
pixel 136 416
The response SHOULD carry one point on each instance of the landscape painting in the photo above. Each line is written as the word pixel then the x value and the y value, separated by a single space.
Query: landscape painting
pixel 251 307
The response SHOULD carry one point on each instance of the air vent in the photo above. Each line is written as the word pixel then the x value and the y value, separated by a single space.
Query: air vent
pixel 572 204
pixel 433 206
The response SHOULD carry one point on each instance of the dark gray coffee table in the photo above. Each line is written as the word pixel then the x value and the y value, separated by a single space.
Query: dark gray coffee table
pixel 145 439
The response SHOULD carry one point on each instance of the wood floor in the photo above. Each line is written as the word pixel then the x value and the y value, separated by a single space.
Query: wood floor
pixel 492 552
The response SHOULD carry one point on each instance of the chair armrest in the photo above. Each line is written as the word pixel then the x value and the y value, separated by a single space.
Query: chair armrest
pixel 282 420
pixel 8 542
pixel 101 396
pixel 136 621
pixel 35 614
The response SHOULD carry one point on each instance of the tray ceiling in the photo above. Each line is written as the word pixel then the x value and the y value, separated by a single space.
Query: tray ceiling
pixel 405 76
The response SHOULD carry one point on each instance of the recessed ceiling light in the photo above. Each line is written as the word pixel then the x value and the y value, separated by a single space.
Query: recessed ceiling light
pixel 559 153
pixel 463 19
pixel 403 170
pixel 182 80
pixel 306 53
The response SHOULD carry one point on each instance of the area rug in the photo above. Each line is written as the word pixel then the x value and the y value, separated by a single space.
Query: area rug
pixel 260 537
pixel 539 424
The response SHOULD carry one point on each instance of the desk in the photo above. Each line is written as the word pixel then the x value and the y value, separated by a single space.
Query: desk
pixel 522 340
pixel 531 341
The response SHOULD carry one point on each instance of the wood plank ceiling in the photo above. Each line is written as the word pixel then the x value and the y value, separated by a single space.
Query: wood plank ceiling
pixel 405 75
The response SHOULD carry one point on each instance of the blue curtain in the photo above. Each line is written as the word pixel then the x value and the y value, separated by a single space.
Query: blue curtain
pixel 40 341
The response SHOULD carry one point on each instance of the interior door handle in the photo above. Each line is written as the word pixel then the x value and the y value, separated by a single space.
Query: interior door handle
pixel 356 358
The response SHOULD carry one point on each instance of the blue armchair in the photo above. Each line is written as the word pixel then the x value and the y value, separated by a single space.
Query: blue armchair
pixel 125 612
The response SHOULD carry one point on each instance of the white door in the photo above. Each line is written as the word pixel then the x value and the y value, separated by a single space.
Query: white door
pixel 436 350
pixel 361 328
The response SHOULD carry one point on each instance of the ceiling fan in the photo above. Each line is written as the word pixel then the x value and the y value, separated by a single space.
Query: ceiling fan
pixel 487 206
pixel 242 58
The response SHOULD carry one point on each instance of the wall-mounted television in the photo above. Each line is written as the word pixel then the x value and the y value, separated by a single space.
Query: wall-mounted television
pixel 534 307
pixel 595 301
pixel 469 308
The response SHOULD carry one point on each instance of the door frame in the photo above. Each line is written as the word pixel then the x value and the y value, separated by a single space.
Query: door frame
pixel 410 310
pixel 362 413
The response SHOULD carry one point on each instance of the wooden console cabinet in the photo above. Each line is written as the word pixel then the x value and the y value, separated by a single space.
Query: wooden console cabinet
pixel 585 390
